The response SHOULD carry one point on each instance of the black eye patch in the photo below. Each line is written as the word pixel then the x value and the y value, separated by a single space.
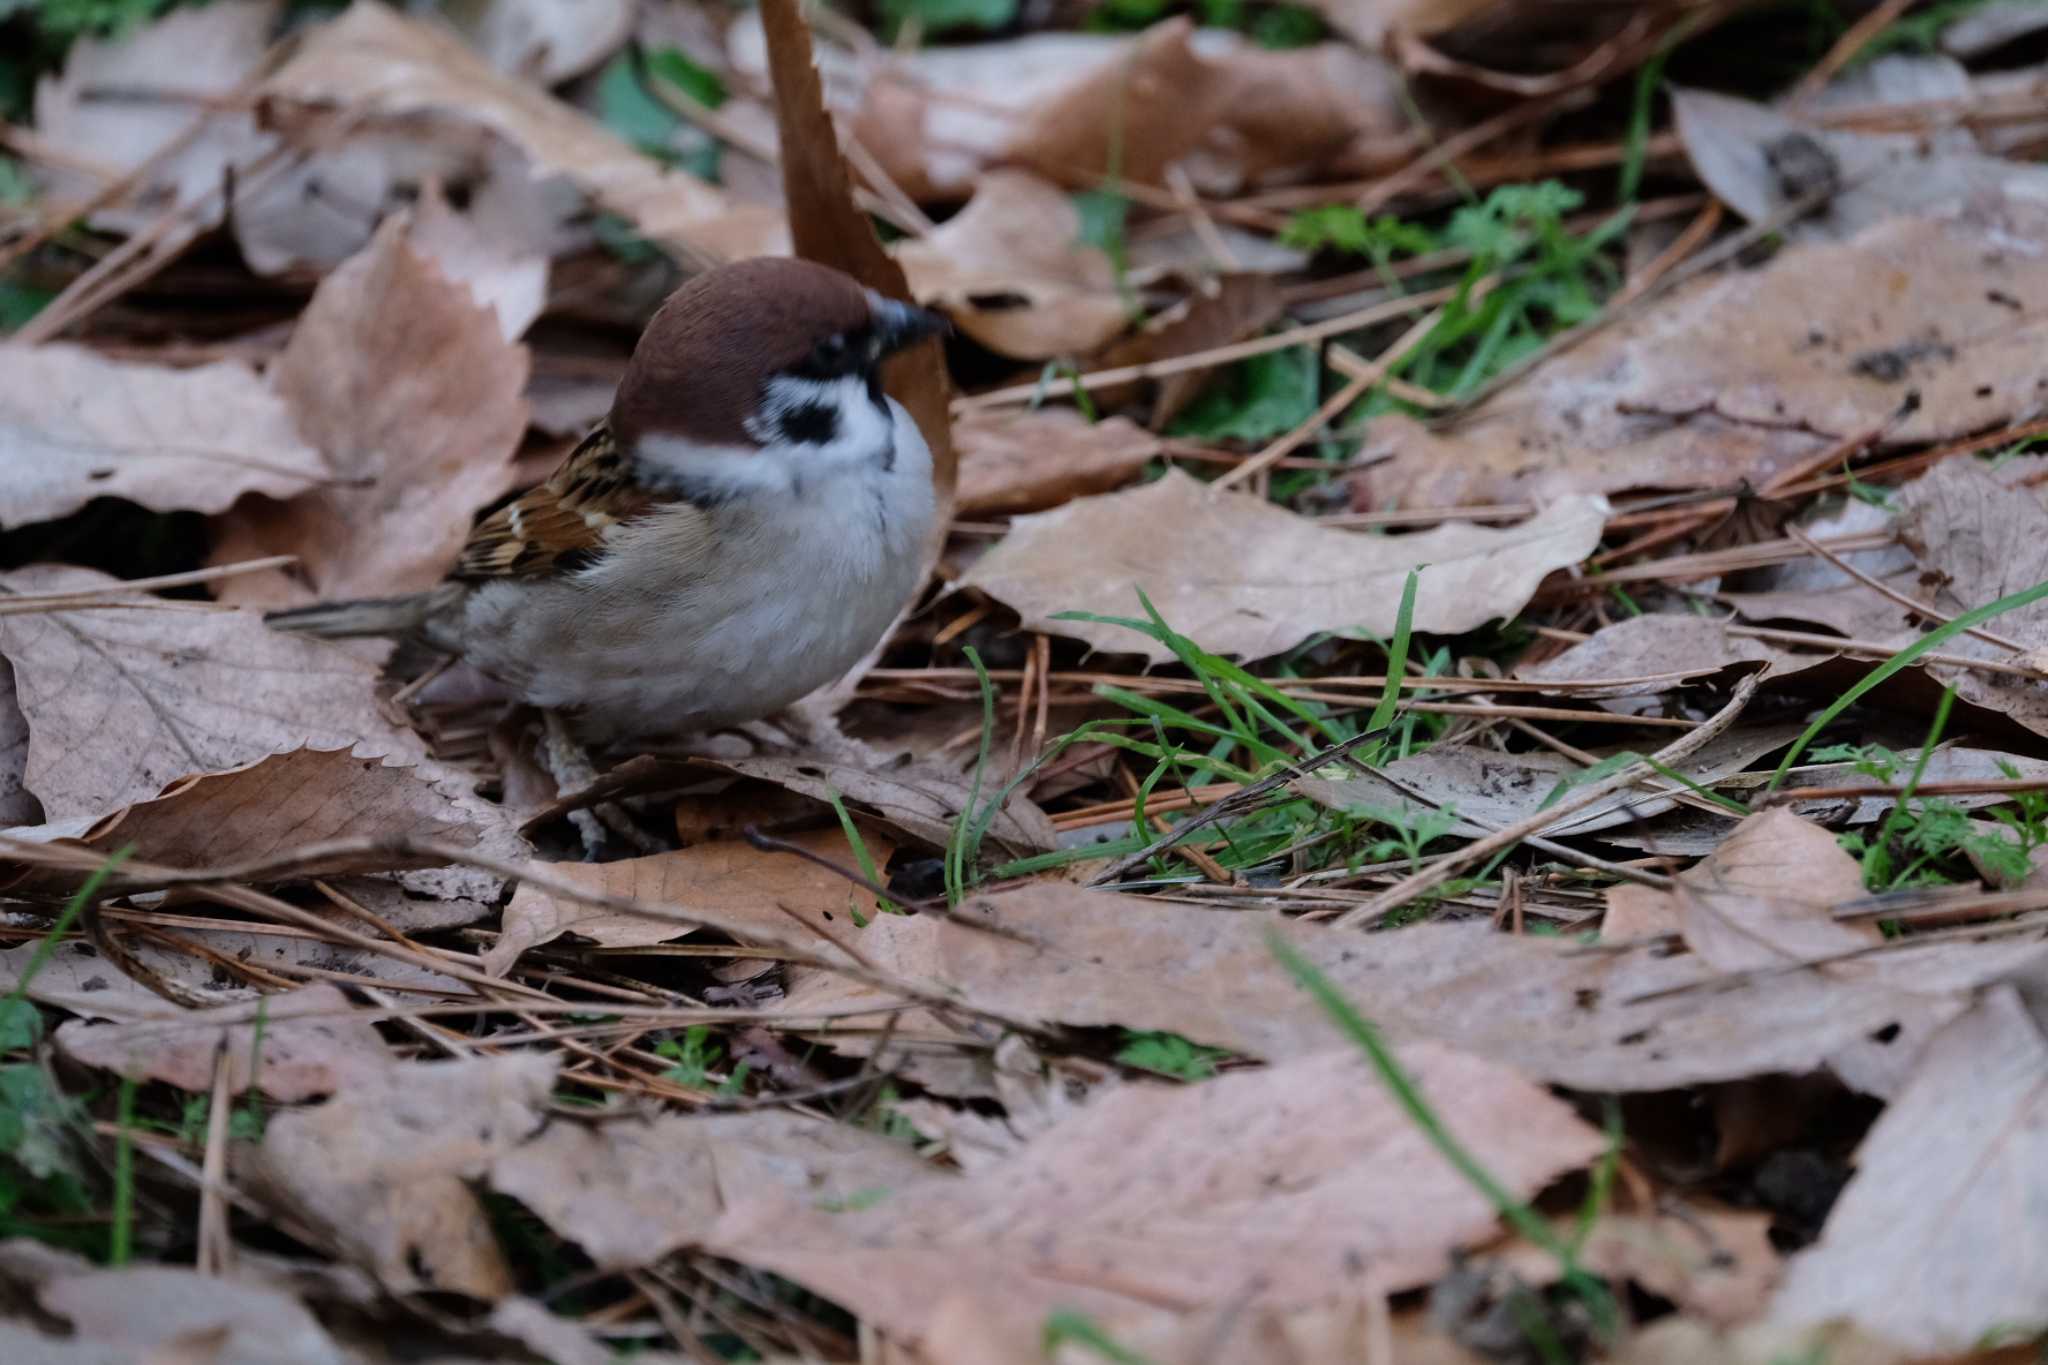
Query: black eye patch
pixel 812 424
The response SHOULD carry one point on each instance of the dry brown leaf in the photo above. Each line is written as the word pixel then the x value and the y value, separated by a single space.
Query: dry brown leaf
pixel 1766 896
pixel 1073 107
pixel 413 392
pixel 373 62
pixel 919 800
pixel 1282 1186
pixel 1743 375
pixel 310 1044
pixel 75 426
pixel 1490 789
pixel 1733 144
pixel 1717 1263
pixel 1658 644
pixel 720 878
pixel 1940 1235
pixel 1024 459
pixel 1642 1019
pixel 1816 592
pixel 284 802
pixel 169 71
pixel 78 979
pixel 121 703
pixel 508 277
pixel 18 806
pixel 1368 22
pixel 383 1166
pixel 1011 271
pixel 828 227
pixel 1241 576
pixel 1241 305
pixel 1977 539
pixel 543 41
pixel 629 1192
pixel 170 1315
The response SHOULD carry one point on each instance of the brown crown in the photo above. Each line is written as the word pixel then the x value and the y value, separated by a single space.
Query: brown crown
pixel 698 369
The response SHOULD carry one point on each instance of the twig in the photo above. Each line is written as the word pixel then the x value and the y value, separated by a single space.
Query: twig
pixel 1892 594
pixel 1853 40
pixel 1203 360
pixel 1670 755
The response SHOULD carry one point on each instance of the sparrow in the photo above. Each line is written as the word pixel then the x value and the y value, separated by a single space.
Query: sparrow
pixel 739 530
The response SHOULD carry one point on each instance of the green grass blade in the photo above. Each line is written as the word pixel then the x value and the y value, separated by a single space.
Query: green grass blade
pixel 1397 657
pixel 1899 661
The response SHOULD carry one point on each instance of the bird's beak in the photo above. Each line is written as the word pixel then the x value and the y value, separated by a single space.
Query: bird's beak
pixel 898 325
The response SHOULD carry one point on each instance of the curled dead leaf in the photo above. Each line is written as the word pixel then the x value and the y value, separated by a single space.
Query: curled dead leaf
pixel 411 389
pixel 1011 271
pixel 727 876
pixel 373 62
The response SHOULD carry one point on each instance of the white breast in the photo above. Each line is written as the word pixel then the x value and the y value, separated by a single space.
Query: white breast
pixel 700 619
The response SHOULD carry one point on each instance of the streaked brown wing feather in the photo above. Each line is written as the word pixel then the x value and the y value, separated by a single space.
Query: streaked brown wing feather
pixel 559 526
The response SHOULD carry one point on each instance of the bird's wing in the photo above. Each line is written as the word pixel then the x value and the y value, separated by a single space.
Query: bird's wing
pixel 561 525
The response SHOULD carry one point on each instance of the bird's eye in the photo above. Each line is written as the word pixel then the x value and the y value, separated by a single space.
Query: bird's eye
pixel 830 352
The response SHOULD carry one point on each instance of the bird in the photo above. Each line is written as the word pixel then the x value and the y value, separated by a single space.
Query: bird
pixel 740 529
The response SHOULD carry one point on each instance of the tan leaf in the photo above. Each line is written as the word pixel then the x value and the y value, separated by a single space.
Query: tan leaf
pixel 291 1047
pixel 1281 1186
pixel 18 806
pixel 1954 1168
pixel 169 71
pixel 1072 107
pixel 285 802
pixel 827 226
pixel 509 278
pixel 716 877
pixel 1656 645
pixel 1642 1019
pixel 1883 175
pixel 1977 539
pixel 171 1315
pixel 78 979
pixel 1368 22
pixel 383 1166
pixel 543 41
pixel 1025 459
pixel 1717 1263
pixel 1745 374
pixel 415 395
pixel 1011 271
pixel 631 1193
pixel 1241 576
pixel 75 426
pixel 1765 897
pixel 375 62
pixel 120 703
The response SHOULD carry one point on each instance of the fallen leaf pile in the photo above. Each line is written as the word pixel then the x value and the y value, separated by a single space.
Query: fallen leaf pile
pixel 1468 781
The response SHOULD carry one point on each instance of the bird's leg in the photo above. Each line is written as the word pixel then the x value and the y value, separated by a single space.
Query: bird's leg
pixel 568 762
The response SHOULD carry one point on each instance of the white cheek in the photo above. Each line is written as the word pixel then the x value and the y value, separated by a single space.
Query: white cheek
pixel 725 471
pixel 862 430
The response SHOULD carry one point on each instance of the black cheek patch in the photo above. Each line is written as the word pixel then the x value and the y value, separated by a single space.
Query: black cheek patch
pixel 811 424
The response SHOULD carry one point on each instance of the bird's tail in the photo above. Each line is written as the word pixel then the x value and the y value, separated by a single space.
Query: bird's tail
pixel 362 615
